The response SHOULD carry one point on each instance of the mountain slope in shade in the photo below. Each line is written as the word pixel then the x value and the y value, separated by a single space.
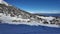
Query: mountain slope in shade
pixel 12 15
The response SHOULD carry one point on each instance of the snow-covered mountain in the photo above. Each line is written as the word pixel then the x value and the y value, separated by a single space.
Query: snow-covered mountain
pixel 12 15
pixel 3 2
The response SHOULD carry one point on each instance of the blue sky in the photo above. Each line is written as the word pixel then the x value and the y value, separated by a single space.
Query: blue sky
pixel 37 6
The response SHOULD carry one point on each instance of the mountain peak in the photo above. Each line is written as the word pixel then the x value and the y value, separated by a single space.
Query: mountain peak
pixel 3 2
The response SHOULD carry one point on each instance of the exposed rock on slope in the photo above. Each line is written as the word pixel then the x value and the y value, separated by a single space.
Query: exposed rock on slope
pixel 17 15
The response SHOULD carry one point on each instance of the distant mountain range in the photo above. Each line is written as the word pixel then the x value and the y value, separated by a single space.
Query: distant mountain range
pixel 48 14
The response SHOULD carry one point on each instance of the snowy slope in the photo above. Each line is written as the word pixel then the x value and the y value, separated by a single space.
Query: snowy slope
pixel 12 15
pixel 8 19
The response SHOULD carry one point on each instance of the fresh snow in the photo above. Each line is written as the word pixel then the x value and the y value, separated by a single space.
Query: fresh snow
pixel 8 19
pixel 3 2
pixel 33 24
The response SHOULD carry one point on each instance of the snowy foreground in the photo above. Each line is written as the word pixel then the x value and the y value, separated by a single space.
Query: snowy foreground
pixel 8 19
pixel 33 24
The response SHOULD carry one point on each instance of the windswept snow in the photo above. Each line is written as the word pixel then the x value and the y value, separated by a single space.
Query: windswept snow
pixel 8 19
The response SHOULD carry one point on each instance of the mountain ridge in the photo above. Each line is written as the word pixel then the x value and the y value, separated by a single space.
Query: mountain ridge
pixel 14 15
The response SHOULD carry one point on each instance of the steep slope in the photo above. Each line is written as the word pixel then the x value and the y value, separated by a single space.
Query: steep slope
pixel 9 13
pixel 16 12
pixel 13 11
